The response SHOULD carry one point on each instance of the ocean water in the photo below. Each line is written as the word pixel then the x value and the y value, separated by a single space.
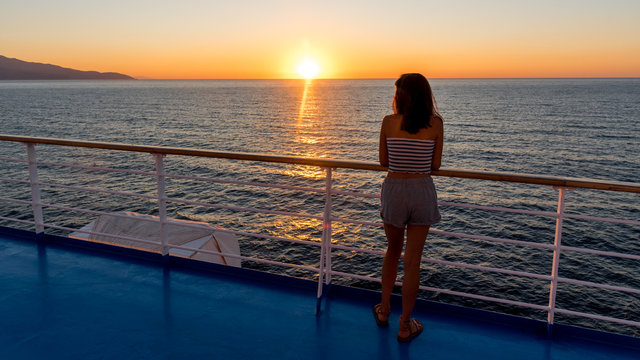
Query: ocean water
pixel 565 127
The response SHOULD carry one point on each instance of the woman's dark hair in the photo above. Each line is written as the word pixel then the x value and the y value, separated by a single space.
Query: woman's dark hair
pixel 415 102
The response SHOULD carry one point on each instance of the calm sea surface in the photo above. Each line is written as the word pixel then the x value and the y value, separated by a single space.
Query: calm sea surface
pixel 564 127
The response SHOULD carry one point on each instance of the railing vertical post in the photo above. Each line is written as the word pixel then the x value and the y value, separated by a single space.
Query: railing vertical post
pixel 326 225
pixel 36 203
pixel 324 276
pixel 162 205
pixel 556 255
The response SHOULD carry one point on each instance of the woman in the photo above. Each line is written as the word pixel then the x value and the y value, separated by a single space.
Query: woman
pixel 411 146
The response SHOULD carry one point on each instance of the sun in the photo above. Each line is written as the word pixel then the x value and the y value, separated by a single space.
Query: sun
pixel 308 69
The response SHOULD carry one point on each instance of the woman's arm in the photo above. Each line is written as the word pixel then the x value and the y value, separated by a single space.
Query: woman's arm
pixel 437 151
pixel 383 155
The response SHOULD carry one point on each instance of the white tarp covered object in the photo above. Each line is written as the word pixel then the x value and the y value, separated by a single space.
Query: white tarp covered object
pixel 179 232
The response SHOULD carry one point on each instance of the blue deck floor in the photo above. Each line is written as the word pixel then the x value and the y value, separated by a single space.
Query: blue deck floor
pixel 60 302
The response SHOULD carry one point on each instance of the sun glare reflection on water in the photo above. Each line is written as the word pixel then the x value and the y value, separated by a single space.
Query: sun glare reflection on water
pixel 306 125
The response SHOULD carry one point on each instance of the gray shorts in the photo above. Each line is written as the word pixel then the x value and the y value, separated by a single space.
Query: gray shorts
pixel 409 201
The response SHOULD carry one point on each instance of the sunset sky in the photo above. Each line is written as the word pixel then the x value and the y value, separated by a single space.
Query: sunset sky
pixel 346 39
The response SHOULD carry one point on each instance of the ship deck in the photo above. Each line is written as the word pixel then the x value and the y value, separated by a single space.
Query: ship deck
pixel 62 299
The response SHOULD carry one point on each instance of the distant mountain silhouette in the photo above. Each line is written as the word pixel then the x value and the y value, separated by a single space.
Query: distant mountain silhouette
pixel 14 69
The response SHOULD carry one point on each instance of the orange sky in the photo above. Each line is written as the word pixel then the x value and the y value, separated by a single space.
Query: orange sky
pixel 348 39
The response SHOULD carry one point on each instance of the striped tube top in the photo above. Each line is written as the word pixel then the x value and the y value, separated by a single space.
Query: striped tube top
pixel 410 155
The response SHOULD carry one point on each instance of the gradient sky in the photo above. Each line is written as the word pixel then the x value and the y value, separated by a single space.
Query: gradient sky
pixel 348 39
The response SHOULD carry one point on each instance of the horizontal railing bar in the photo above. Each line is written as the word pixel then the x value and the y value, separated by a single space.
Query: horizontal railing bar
pixel 361 277
pixel 104 234
pixel 357 222
pixel 600 252
pixel 247 258
pixel 493 239
pixel 13 160
pixel 248 183
pixel 247 209
pixel 17 201
pixel 327 163
pixel 356 276
pixel 95 212
pixel 97 168
pixel 502 209
pixel 356 194
pixel 486 298
pixel 269 237
pixel 450 292
pixel 598 317
pixel 205 251
pixel 540 180
pixel 79 188
pixel 278 263
pixel 599 286
pixel 349 248
pixel 603 219
pixel 488 269
pixel 29 222
pixel 15 180
pixel 541 213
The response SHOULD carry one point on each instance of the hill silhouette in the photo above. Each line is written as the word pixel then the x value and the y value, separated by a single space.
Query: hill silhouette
pixel 14 69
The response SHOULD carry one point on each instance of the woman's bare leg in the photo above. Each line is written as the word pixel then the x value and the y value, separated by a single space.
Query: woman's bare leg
pixel 416 237
pixel 395 241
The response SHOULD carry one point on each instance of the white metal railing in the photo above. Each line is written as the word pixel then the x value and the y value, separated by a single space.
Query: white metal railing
pixel 324 268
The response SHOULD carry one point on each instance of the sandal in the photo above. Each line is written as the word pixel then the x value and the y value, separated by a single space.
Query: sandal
pixel 415 328
pixel 377 312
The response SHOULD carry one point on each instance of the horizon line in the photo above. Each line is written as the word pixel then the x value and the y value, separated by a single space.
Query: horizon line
pixel 393 78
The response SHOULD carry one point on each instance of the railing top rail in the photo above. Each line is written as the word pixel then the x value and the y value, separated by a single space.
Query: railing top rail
pixel 334 163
